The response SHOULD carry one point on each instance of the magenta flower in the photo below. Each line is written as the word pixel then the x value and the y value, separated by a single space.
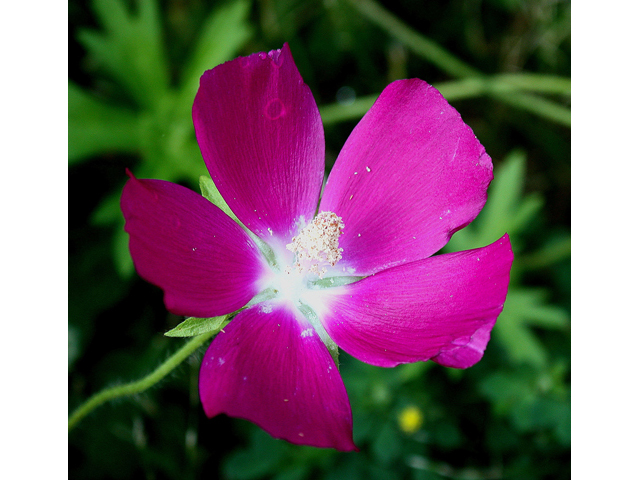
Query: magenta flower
pixel 409 176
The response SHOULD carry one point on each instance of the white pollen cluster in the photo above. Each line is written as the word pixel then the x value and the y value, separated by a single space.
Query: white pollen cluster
pixel 317 244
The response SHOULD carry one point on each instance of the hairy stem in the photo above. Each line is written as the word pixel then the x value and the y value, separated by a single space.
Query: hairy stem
pixel 140 385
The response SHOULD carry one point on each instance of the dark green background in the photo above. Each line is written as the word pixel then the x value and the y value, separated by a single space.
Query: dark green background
pixel 131 88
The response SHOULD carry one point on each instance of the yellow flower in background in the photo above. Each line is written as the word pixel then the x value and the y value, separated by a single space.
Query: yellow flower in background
pixel 410 419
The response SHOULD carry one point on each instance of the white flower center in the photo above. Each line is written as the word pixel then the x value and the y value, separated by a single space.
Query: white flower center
pixel 301 284
pixel 316 246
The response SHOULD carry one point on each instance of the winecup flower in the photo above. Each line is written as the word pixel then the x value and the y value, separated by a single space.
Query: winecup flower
pixel 359 274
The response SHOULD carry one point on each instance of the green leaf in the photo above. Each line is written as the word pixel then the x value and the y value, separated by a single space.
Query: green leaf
pixel 527 209
pixel 95 127
pixel 520 396
pixel 506 390
pixel 505 211
pixel 506 192
pixel 121 255
pixel 411 371
pixel 224 32
pixel 130 48
pixel 168 146
pixel 195 326
pixel 531 305
pixel 108 210
pixel 523 309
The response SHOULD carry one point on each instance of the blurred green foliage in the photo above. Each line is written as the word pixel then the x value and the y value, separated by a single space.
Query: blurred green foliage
pixel 504 64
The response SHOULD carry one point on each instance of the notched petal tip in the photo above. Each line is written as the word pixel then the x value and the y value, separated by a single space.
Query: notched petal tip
pixel 466 351
pixel 261 137
pixel 441 308
pixel 410 174
pixel 278 55
pixel 268 369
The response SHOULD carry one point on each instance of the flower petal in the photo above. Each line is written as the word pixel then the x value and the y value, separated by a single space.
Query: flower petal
pixel 261 138
pixel 205 263
pixel 270 367
pixel 409 176
pixel 441 308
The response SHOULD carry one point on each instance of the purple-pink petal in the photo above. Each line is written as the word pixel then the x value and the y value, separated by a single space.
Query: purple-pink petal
pixel 441 308
pixel 410 175
pixel 205 263
pixel 270 367
pixel 466 350
pixel 261 138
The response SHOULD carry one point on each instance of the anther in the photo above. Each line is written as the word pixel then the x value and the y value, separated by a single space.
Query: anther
pixel 317 244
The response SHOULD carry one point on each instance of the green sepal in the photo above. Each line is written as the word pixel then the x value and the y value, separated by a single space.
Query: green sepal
pixel 331 282
pixel 211 193
pixel 312 316
pixel 196 326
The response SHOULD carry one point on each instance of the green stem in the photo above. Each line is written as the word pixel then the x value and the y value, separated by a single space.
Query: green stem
pixel 503 84
pixel 538 105
pixel 336 112
pixel 449 63
pixel 536 82
pixel 143 384
pixel 421 45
